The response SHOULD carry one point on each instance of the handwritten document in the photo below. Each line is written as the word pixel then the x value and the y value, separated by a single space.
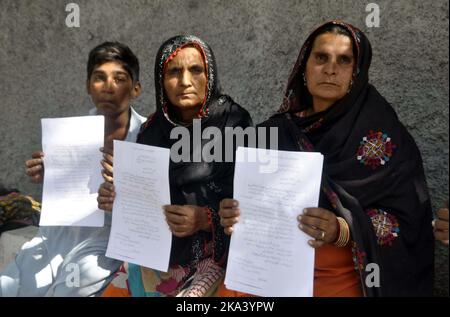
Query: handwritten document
pixel 139 232
pixel 72 175
pixel 269 255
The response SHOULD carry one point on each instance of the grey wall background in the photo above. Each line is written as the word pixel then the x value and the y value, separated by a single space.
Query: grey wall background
pixel 256 42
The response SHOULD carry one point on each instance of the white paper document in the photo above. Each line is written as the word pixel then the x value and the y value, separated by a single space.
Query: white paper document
pixel 269 255
pixel 140 233
pixel 72 175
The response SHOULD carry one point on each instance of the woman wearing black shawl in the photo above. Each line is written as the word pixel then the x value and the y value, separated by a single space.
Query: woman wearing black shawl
pixel 374 203
pixel 186 89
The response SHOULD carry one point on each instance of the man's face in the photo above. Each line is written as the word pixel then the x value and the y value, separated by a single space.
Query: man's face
pixel 185 80
pixel 111 88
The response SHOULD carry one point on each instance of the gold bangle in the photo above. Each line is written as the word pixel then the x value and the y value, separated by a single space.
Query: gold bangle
pixel 344 233
pixel 347 232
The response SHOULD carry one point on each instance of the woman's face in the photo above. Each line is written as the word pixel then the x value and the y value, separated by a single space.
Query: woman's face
pixel 185 80
pixel 329 69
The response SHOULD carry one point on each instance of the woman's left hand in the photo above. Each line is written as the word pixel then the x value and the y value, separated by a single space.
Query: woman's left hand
pixel 186 220
pixel 321 224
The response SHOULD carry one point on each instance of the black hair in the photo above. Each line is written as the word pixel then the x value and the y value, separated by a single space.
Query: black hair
pixel 333 29
pixel 114 51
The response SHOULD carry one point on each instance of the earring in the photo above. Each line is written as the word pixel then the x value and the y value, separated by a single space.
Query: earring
pixel 304 79
pixel 350 86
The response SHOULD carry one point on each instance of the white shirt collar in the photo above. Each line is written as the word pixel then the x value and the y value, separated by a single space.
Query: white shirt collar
pixel 136 120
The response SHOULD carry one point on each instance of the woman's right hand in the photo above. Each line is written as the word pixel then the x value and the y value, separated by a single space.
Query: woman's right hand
pixel 229 213
pixel 35 167
pixel 440 225
pixel 106 195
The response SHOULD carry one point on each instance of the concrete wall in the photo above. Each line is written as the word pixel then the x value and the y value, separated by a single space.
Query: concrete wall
pixel 42 64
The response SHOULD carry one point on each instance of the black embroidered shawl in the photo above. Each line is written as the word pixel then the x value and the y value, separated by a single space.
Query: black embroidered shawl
pixel 195 183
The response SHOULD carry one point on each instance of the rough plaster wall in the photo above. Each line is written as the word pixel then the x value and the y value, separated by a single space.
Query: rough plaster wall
pixel 256 42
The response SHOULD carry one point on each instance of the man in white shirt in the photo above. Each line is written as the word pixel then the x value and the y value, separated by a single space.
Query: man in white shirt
pixel 71 261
